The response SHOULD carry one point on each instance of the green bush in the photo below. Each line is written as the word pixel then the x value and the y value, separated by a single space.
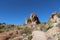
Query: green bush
pixel 48 26
pixel 26 31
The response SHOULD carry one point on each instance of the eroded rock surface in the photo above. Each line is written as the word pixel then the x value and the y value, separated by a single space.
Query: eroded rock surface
pixel 33 19
pixel 39 35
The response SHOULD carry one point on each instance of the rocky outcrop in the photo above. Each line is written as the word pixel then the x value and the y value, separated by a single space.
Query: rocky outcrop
pixel 54 18
pixel 33 19
pixel 54 32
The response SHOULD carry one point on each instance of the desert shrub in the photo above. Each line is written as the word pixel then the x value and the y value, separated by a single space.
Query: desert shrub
pixel 1 31
pixel 26 31
pixel 2 26
pixel 18 28
pixel 10 27
pixel 48 26
pixel 29 37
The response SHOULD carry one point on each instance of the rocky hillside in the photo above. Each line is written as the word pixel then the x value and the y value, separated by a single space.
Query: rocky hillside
pixel 33 29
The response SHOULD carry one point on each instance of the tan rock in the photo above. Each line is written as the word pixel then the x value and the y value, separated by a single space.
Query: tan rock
pixel 39 35
pixel 54 18
pixel 4 36
pixel 32 20
pixel 18 38
pixel 7 35
pixel 32 16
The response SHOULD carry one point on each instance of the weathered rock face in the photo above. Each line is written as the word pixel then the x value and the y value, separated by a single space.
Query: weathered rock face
pixel 54 18
pixel 33 19
pixel 54 32
pixel 39 35
pixel 53 14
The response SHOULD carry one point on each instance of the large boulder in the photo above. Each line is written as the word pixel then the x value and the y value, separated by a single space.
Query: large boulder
pixel 39 35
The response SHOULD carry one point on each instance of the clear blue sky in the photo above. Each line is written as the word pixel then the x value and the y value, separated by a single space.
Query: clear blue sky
pixel 15 11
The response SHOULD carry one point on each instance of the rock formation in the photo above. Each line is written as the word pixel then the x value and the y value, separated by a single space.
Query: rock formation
pixel 55 30
pixel 33 19
pixel 54 18
pixel 33 30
